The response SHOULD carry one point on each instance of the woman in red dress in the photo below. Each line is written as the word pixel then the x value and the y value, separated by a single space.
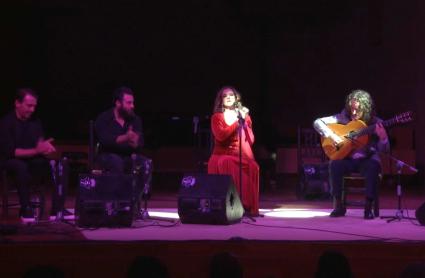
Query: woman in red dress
pixel 225 157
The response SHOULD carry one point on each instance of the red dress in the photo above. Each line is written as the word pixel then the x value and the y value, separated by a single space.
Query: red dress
pixel 225 158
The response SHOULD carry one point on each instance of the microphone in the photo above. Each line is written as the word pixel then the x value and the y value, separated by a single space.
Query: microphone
pixel 400 164
pixel 240 107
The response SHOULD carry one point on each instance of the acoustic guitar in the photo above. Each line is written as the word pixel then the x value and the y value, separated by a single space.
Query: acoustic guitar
pixel 355 135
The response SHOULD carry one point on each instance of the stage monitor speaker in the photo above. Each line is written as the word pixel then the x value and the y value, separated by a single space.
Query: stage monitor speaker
pixel 105 200
pixel 420 214
pixel 209 199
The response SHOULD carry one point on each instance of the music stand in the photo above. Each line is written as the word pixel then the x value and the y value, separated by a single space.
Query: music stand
pixel 399 214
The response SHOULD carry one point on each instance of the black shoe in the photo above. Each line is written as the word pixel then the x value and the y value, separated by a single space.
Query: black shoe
pixel 66 215
pixel 338 212
pixel 27 214
pixel 67 212
pixel 368 214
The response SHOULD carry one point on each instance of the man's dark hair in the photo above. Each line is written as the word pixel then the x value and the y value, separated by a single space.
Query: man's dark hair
pixel 333 264
pixel 225 264
pixel 120 92
pixel 21 93
pixel 147 266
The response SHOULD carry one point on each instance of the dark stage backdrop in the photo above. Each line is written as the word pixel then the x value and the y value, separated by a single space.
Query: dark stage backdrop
pixel 292 61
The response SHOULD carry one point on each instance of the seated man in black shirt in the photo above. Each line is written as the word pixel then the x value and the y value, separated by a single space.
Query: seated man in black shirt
pixel 23 149
pixel 119 132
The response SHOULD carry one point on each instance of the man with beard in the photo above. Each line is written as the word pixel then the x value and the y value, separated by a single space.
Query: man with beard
pixel 119 132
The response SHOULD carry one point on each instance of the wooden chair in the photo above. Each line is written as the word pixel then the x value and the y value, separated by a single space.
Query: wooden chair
pixel 355 184
pixel 93 150
pixel 312 165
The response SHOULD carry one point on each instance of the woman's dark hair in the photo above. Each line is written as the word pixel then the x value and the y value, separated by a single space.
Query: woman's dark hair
pixel 218 103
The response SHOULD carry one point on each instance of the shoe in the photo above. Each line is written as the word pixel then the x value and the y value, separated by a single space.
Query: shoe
pixel 250 214
pixel 27 214
pixel 368 214
pixel 67 212
pixel 66 215
pixel 338 212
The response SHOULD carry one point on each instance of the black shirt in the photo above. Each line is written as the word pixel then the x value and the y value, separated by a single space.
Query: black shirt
pixel 108 129
pixel 18 134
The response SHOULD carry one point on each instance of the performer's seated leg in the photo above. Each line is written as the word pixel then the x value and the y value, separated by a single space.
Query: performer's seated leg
pixel 111 163
pixel 26 171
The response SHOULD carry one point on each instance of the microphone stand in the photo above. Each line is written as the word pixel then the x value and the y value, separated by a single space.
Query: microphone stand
pixel 142 213
pixel 60 179
pixel 134 186
pixel 399 214
pixel 241 122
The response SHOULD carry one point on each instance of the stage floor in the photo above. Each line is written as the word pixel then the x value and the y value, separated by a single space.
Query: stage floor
pixel 302 224
pixel 286 242
pixel 286 218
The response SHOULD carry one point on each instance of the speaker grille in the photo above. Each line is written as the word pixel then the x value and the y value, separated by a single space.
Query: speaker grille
pixel 209 199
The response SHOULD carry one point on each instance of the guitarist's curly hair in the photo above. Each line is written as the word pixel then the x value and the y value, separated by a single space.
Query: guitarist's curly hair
pixel 366 104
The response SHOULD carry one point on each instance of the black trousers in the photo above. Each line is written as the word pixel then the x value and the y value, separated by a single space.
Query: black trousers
pixel 118 164
pixel 25 172
pixel 367 167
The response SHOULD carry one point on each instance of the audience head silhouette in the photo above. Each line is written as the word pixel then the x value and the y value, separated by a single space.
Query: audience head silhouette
pixel 46 271
pixel 225 265
pixel 333 264
pixel 414 270
pixel 147 267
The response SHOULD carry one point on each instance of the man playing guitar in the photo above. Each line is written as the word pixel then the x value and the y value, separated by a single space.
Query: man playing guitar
pixel 351 154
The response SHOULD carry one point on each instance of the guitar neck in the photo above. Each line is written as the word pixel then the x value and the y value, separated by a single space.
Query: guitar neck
pixel 370 129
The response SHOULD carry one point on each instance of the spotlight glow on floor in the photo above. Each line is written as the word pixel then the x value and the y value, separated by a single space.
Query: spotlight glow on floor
pixel 279 213
pixel 295 213
pixel 161 214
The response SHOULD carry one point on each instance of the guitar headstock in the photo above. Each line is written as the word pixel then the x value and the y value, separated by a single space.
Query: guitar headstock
pixel 404 117
pixel 401 118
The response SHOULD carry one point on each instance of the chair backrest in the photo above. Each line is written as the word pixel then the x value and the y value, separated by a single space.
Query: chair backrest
pixel 309 147
pixel 93 146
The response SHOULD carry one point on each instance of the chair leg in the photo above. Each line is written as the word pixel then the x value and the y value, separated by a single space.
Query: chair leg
pixel 5 199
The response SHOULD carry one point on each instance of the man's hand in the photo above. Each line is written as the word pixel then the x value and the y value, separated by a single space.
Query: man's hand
pixel 133 137
pixel 244 111
pixel 45 147
pixel 336 139
pixel 381 132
